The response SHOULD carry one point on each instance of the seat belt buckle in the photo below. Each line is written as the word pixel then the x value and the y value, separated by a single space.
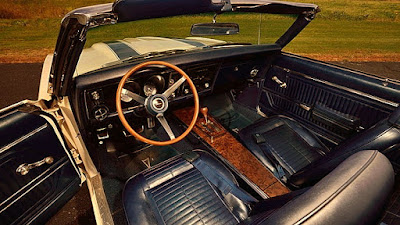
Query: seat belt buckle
pixel 258 138
pixel 190 156
pixel 281 173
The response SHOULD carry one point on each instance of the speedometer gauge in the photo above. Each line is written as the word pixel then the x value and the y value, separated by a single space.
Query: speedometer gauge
pixel 154 85
pixel 149 89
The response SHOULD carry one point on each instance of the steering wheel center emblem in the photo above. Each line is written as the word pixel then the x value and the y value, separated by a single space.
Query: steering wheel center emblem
pixel 158 103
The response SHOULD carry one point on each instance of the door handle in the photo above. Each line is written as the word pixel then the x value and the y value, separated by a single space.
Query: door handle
pixel 279 82
pixel 23 169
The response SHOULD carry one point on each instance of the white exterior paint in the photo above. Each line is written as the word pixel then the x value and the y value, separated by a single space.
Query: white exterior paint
pixel 44 79
pixel 100 54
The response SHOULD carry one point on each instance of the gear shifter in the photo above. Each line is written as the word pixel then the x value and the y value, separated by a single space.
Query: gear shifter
pixel 209 126
pixel 204 111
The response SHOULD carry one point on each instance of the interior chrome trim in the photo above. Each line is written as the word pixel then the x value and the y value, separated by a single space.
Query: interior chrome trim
pixel 36 181
pixel 101 209
pixel 305 107
pixel 24 168
pixel 3 110
pixel 279 82
pixel 387 102
pixel 23 138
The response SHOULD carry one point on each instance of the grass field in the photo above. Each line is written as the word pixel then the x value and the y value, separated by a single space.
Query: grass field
pixel 349 30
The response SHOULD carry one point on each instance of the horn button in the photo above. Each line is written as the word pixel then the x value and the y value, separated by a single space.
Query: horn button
pixel 156 104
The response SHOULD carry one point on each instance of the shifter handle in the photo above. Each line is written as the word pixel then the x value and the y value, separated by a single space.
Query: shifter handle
pixel 204 111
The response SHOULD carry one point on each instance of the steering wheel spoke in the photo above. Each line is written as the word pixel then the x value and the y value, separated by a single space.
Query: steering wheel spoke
pixel 173 87
pixel 156 104
pixel 165 125
pixel 133 96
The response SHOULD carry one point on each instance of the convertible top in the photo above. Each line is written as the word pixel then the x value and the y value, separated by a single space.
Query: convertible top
pixel 273 7
pixel 129 10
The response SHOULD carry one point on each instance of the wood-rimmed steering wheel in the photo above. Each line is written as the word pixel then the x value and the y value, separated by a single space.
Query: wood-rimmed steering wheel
pixel 157 104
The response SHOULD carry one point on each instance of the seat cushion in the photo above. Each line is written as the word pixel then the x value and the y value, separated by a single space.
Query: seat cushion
pixel 281 141
pixel 176 192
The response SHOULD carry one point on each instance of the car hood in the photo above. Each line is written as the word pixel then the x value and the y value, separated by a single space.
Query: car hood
pixel 103 54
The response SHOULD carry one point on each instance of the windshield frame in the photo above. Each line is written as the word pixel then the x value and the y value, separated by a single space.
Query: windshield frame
pixel 74 26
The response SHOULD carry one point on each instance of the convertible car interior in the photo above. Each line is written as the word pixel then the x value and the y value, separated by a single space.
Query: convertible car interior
pixel 241 134
pixel 299 134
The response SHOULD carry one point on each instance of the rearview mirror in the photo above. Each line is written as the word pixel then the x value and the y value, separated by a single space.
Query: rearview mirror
pixel 204 29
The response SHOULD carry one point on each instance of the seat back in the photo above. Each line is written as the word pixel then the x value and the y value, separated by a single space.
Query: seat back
pixel 354 193
pixel 179 192
pixel 381 136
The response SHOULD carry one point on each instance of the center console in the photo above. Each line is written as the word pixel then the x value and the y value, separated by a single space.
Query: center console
pixel 227 146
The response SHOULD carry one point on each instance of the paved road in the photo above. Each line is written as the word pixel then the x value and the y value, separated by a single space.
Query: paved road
pixel 21 81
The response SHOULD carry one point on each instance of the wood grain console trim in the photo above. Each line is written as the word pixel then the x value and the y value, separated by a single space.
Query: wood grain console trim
pixel 237 154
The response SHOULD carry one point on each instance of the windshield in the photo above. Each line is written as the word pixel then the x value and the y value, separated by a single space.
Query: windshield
pixel 108 45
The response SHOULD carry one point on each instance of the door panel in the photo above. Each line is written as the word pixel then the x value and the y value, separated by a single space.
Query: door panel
pixel 26 138
pixel 333 102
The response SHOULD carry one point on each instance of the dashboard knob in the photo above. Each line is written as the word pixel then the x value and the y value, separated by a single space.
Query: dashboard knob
pixel 254 72
pixel 95 95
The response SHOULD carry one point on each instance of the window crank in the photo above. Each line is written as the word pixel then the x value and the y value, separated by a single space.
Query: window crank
pixel 23 169
pixel 281 84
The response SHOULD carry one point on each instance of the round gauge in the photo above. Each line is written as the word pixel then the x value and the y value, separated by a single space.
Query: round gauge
pixel 125 98
pixel 158 81
pixel 154 85
pixel 149 89
pixel 133 87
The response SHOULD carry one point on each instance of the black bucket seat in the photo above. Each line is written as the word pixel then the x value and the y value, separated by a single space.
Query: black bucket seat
pixel 297 157
pixel 201 190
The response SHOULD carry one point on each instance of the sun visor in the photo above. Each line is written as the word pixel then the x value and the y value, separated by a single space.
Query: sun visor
pixel 130 10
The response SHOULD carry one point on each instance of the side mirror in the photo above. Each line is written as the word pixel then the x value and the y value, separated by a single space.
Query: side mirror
pixel 204 29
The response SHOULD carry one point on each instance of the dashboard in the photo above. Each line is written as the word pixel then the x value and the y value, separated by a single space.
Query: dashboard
pixel 100 101
pixel 93 95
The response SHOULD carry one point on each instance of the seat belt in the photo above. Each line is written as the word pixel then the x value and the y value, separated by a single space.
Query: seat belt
pixel 226 186
pixel 260 141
